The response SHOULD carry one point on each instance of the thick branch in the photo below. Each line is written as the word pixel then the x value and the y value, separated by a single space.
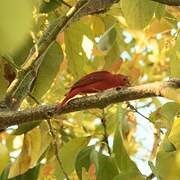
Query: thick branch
pixel 21 86
pixel 99 100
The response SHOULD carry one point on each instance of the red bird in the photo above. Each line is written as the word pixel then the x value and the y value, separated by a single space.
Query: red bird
pixel 95 82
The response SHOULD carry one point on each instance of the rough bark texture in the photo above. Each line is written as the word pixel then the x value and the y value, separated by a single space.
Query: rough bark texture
pixel 99 100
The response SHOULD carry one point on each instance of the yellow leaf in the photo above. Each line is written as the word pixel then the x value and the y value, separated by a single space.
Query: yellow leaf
pixel 35 143
pixel 4 157
pixel 171 93
pixel 158 27
pixel 174 135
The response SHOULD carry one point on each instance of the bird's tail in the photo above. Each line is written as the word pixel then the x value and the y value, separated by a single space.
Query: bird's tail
pixel 68 96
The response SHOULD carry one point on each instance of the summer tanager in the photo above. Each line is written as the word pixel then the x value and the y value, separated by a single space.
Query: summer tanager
pixel 95 82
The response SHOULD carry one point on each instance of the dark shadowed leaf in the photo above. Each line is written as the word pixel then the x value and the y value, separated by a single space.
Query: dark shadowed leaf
pixel 48 70
pixel 106 168
pixel 48 6
pixel 31 174
pixel 83 160
pixel 68 154
pixel 131 175
pixel 24 128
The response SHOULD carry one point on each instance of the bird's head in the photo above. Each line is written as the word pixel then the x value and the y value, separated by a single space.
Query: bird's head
pixel 122 80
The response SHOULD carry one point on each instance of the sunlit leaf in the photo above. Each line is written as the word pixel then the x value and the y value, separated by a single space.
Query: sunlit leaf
pixel 138 13
pixel 15 24
pixel 68 154
pixel 4 157
pixel 159 10
pixel 74 51
pixel 34 145
pixel 169 110
pixel 175 133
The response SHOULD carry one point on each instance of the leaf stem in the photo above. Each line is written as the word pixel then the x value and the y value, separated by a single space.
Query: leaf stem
pixel 105 138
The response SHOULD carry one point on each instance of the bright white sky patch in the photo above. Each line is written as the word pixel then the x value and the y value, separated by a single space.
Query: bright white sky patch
pixel 87 45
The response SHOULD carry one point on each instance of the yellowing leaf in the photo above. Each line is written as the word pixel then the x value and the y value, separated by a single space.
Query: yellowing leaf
pixel 98 26
pixel 158 26
pixel 174 135
pixel 34 145
pixel 4 157
pixel 171 93
pixel 138 13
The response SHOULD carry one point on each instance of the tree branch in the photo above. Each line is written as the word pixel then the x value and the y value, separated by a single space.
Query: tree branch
pixel 21 86
pixel 100 100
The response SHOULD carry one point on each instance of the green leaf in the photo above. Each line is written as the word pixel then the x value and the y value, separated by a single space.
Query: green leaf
pixel 122 158
pixel 48 6
pixel 105 166
pixel 24 128
pixel 83 160
pixel 48 70
pixel 138 13
pixel 4 175
pixel 31 174
pixel 20 55
pixel 15 24
pixel 4 157
pixel 175 59
pixel 34 144
pixel 107 39
pixel 68 154
pixel 129 175
pixel 175 133
pixel 169 110
pixel 75 54
pixel 3 81
pixel 167 165
pixel 159 10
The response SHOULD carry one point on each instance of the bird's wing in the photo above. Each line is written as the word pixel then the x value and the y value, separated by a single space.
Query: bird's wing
pixel 91 78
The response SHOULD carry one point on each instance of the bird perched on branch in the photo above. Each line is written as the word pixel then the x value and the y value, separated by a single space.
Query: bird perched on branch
pixel 95 82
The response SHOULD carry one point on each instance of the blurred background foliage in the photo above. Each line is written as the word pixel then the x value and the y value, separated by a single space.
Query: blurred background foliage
pixel 135 37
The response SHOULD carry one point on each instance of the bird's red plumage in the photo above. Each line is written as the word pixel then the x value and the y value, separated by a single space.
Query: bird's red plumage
pixel 94 82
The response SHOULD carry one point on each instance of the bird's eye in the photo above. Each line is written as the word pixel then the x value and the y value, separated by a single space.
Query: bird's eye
pixel 124 79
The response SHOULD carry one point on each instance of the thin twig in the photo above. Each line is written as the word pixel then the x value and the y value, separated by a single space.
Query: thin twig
pixel 66 4
pixel 55 143
pixel 135 110
pixel 105 139
pixel 151 176
pixel 34 99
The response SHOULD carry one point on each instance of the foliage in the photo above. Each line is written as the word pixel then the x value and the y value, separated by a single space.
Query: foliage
pixel 134 37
